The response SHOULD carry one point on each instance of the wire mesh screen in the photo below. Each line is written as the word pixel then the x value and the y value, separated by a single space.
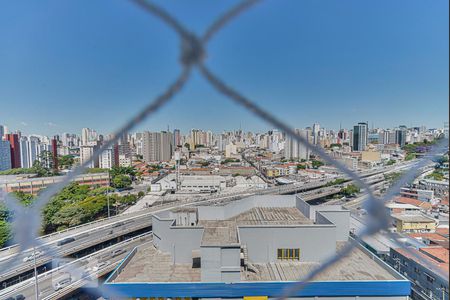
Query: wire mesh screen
pixel 193 50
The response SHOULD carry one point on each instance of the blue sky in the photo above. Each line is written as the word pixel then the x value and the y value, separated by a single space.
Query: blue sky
pixel 65 65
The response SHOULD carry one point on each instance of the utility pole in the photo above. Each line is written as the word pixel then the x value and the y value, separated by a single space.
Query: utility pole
pixel 107 196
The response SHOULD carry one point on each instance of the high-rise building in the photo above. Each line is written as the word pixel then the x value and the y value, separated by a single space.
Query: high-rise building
pixel 360 136
pixel 5 155
pixel 88 135
pixel 25 161
pixel 177 138
pixel 55 153
pixel 108 158
pixel 157 146
pixel 2 132
pixel 315 133
pixel 86 152
pixel 15 149
pixel 296 150
pixel 400 136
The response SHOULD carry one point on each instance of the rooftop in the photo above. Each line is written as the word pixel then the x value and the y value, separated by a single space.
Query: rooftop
pixel 415 202
pixel 217 233
pixel 417 218
pixel 152 265
pixel 425 260
pixel 271 215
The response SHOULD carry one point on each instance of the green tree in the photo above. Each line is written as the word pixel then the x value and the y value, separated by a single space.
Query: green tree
pixel 390 162
pixel 66 161
pixel 5 233
pixel 436 175
pixel 316 164
pixel 121 181
pixel 24 198
pixel 350 190
pixel 410 156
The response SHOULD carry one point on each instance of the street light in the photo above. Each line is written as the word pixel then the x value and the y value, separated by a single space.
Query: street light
pixel 36 288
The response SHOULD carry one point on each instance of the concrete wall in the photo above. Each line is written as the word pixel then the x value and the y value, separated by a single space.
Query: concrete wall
pixel 178 241
pixel 305 237
pixel 236 207
pixel 340 218
pixel 220 264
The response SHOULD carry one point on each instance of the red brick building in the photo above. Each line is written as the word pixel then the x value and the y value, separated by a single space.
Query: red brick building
pixel 15 149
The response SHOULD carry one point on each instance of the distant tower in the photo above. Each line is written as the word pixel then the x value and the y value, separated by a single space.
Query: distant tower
pixel 13 140
pixel 177 155
pixel 55 154
pixel 360 136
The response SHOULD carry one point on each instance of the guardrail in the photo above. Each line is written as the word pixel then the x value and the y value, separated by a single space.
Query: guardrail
pixel 65 252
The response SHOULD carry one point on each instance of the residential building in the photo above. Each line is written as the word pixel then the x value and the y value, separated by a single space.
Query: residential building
pixel 108 158
pixel 157 146
pixel 427 268
pixel 14 143
pixel 230 150
pixel 405 222
pixel 88 135
pixel 296 150
pixel 87 151
pixel 5 155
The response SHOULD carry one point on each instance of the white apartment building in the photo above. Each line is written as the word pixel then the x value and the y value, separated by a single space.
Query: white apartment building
pixel 107 158
pixel 86 152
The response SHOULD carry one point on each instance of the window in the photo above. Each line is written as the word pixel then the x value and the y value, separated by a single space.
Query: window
pixel 288 254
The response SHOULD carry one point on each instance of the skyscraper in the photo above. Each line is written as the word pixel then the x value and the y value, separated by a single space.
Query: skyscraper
pixel 5 155
pixel 157 146
pixel 296 150
pixel 86 152
pixel 177 137
pixel 360 136
pixel 88 135
pixel 15 149
pixel 315 133
pixel 400 136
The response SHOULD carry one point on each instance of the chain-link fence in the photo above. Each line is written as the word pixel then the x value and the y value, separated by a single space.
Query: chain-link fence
pixel 193 49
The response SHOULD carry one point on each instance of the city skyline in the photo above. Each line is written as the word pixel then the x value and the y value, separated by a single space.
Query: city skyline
pixel 397 69
pixel 184 131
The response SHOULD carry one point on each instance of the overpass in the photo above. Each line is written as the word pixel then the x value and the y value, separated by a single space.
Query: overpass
pixel 82 272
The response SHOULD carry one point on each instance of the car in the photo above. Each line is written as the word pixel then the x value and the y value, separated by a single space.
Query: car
pixel 117 252
pixel 31 256
pixel 62 283
pixel 65 241
pixel 117 224
pixel 100 265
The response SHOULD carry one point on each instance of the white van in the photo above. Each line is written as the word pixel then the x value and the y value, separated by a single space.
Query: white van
pixel 61 283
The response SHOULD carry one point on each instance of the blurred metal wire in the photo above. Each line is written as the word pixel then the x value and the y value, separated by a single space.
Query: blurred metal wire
pixel 193 54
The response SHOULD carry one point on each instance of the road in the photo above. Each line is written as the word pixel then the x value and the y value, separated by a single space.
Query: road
pixel 81 272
